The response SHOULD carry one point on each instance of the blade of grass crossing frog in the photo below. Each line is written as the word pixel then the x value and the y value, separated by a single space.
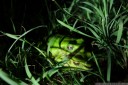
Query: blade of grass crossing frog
pixel 76 51
pixel 73 29
pixel 60 41
pixel 50 43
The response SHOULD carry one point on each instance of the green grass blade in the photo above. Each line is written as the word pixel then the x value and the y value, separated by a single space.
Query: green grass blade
pixel 76 82
pixel 61 75
pixel 13 26
pixel 12 36
pixel 86 9
pixel 76 21
pixel 98 11
pixel 110 6
pixel 73 29
pixel 9 80
pixel 120 31
pixel 18 38
pixel 32 79
pixel 72 4
pixel 105 8
pixel 126 19
pixel 94 27
pixel 95 34
pixel 50 44
pixel 40 51
pixel 109 67
pixel 50 72
pixel 97 64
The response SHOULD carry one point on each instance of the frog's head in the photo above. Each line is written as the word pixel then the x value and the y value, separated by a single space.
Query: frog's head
pixel 63 48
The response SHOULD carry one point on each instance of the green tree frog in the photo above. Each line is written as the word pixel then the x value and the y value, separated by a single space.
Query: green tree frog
pixel 70 50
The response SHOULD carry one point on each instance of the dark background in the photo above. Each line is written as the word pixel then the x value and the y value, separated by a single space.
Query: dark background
pixel 26 13
pixel 29 14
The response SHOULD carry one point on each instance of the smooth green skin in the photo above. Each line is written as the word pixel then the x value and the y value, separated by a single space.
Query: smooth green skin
pixel 61 48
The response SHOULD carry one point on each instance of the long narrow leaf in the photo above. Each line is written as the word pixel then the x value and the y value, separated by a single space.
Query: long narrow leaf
pixel 50 72
pixel 95 34
pixel 86 9
pixel 73 29
pixel 13 26
pixel 18 38
pixel 105 8
pixel 120 31
pixel 96 8
pixel 109 67
pixel 10 80
pixel 32 79
pixel 40 51
pixel 97 64
pixel 111 3
pixel 12 36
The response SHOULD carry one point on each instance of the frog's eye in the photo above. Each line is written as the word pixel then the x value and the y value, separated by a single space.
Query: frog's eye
pixel 70 47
